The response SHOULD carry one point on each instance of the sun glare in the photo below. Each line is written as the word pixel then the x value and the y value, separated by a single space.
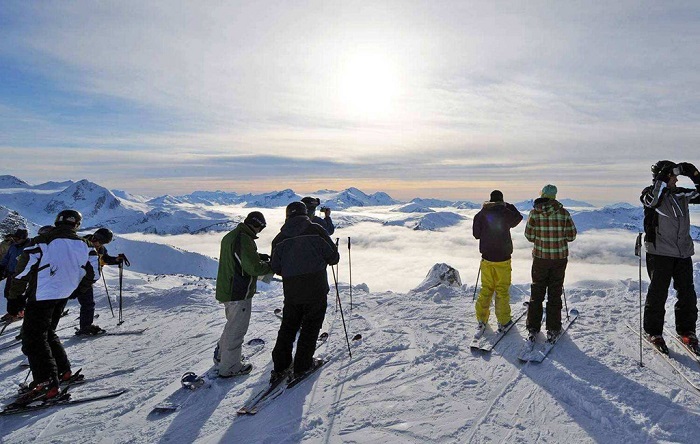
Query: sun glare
pixel 367 85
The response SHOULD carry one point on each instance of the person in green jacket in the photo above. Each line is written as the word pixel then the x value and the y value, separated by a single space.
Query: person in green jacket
pixel 240 264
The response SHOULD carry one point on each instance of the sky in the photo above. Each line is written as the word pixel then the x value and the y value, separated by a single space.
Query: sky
pixel 447 99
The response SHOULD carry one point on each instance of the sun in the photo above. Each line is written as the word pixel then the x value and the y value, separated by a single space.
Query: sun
pixel 368 85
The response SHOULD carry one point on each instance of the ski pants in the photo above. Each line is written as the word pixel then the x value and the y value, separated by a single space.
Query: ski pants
pixel 309 318
pixel 14 306
pixel 661 270
pixel 47 358
pixel 86 299
pixel 547 279
pixel 495 277
pixel 231 341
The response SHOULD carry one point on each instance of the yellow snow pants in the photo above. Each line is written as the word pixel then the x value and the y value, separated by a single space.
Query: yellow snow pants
pixel 495 277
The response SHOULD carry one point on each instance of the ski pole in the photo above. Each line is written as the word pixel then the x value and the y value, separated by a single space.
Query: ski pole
pixel 638 252
pixel 121 278
pixel 337 298
pixel 123 262
pixel 107 291
pixel 350 272
pixel 477 282
pixel 563 292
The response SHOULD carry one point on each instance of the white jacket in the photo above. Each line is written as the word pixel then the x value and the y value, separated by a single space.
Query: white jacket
pixel 55 265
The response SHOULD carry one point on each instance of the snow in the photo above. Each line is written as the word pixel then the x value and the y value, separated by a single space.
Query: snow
pixel 412 378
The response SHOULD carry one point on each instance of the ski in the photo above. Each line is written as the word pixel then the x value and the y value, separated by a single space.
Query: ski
pixel 487 343
pixel 278 312
pixel 540 351
pixel 62 400
pixel 112 333
pixel 692 353
pixel 672 362
pixel 273 390
pixel 291 383
pixel 181 396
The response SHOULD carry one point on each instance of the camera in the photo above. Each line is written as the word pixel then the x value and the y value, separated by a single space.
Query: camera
pixel 323 209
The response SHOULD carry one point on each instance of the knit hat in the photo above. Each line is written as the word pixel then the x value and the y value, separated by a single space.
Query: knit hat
pixel 20 234
pixel 496 196
pixel 549 191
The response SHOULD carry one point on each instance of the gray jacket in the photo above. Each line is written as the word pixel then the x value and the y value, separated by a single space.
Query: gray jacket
pixel 666 220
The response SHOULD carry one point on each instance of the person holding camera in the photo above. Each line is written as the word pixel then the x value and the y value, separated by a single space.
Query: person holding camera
pixel 670 249
pixel 311 204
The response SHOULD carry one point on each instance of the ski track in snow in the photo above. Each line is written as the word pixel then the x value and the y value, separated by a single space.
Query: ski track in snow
pixel 411 379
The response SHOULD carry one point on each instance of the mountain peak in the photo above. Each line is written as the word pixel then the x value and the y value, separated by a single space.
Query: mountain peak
pixel 8 181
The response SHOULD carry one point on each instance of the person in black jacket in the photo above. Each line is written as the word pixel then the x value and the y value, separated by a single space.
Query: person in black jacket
pixel 300 254
pixel 492 227
pixel 86 295
pixel 326 222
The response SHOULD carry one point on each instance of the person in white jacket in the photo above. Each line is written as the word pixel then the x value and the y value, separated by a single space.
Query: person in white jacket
pixel 49 270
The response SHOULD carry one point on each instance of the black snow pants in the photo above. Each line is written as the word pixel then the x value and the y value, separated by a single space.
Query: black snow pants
pixel 661 270
pixel 308 317
pixel 47 358
pixel 547 278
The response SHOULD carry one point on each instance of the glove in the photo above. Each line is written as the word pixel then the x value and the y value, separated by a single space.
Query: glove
pixel 264 257
pixel 689 170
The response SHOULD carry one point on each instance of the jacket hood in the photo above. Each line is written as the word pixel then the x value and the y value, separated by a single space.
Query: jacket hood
pixel 490 206
pixel 295 226
pixel 547 206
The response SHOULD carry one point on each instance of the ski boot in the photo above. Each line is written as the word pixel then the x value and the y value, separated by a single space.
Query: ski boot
pixel 658 342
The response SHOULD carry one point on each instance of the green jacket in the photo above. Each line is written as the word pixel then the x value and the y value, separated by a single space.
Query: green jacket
pixel 239 265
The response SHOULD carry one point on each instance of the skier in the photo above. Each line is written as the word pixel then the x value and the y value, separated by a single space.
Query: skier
pixel 300 254
pixel 15 307
pixel 492 227
pixel 240 264
pixel 86 295
pixel 670 249
pixel 311 204
pixel 49 271
pixel 550 227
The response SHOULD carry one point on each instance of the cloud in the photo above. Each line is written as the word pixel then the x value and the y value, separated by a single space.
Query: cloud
pixel 480 92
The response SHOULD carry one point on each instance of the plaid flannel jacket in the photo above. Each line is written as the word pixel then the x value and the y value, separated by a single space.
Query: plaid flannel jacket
pixel 550 228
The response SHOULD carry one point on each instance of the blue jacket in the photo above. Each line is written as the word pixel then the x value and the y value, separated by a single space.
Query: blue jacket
pixel 9 261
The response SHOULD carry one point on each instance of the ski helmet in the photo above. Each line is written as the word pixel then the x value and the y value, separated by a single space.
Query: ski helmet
pixel 295 209
pixel 255 219
pixel 69 217
pixel 103 235
pixel 660 165
pixel 45 229
pixel 311 204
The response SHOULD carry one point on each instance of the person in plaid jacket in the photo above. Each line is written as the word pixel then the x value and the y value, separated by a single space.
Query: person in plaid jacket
pixel 550 228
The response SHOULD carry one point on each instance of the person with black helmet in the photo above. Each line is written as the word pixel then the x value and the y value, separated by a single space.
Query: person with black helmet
pixel 15 306
pixel 670 249
pixel 301 253
pixel 49 270
pixel 240 265
pixel 311 204
pixel 86 295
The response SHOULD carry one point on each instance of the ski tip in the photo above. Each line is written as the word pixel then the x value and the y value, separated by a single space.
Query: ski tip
pixel 277 311
pixel 357 337
pixel 256 341
pixel 323 336
pixel 573 312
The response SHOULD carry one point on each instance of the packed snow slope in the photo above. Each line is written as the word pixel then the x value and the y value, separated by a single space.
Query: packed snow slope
pixel 412 379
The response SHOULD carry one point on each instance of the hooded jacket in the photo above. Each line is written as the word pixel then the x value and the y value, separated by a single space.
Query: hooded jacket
pixel 667 221
pixel 492 227
pixel 239 265
pixel 551 228
pixel 300 254
pixel 54 266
